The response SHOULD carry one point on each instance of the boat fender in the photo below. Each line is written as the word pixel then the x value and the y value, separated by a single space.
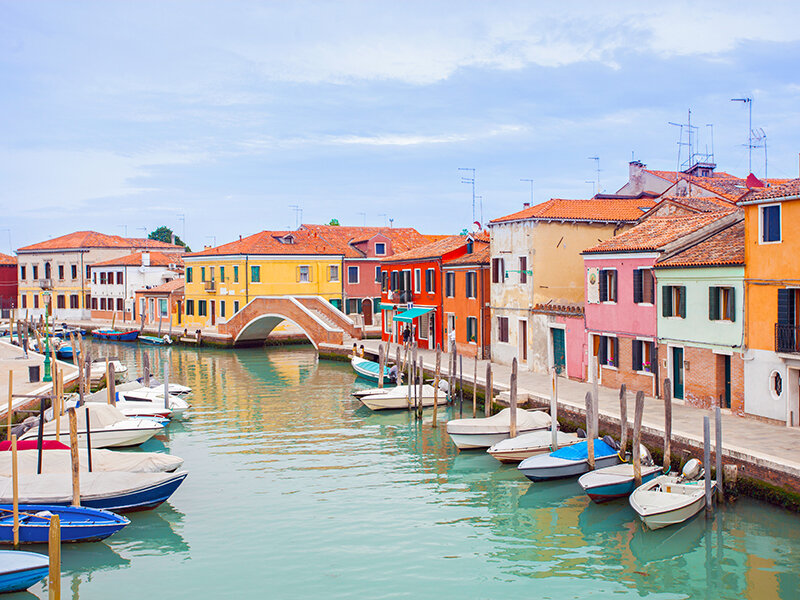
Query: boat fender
pixel 611 442
pixel 580 433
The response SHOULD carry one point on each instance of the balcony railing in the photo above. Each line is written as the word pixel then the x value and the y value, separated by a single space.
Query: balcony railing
pixel 46 284
pixel 210 286
pixel 787 338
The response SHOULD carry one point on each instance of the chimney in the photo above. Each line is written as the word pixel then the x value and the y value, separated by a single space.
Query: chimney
pixel 526 205
pixel 240 237
pixel 172 239
pixel 636 177
pixel 145 259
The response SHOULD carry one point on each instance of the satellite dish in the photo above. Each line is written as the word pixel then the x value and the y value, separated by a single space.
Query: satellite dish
pixel 476 226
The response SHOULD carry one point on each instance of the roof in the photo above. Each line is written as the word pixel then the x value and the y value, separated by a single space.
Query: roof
pixel 725 247
pixel 432 250
pixel 786 189
pixel 7 260
pixel 157 259
pixel 270 243
pixel 342 238
pixel 595 209
pixel 656 232
pixel 673 176
pixel 93 239
pixel 435 237
pixel 176 285
pixel 691 204
pixel 479 256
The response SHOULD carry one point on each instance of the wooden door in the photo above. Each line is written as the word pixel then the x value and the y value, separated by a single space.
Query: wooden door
pixel 366 311
pixel 559 350
pixel 677 373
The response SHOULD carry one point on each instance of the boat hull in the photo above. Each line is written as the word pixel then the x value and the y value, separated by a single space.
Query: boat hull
pixel 361 367
pixel 396 400
pixel 21 570
pixel 142 499
pixel 600 493
pixel 475 441
pixel 78 524
pixel 567 468
pixel 116 336
pixel 664 501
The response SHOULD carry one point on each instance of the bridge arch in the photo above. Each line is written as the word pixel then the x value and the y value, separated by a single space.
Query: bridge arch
pixel 259 328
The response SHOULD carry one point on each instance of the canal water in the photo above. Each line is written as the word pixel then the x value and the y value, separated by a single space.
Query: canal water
pixel 295 490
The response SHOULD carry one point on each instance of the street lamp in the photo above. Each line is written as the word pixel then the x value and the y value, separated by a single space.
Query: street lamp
pixel 47 375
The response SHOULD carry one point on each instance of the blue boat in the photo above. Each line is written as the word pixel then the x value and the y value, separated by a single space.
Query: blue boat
pixel 614 482
pixel 367 369
pixel 65 351
pixel 78 523
pixel 115 335
pixel 569 461
pixel 20 570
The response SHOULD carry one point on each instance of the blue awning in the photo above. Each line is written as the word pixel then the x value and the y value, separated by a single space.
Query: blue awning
pixel 413 313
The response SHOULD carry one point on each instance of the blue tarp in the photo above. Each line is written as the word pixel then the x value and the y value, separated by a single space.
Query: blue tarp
pixel 413 313
pixel 580 451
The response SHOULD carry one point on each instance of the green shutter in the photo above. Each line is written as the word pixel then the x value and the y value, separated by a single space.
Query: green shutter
pixel 603 285
pixel 637 286
pixel 666 301
pixel 713 303
pixel 636 347
pixel 682 302
pixel 732 305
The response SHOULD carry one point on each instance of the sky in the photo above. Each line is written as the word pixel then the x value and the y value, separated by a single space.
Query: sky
pixel 217 118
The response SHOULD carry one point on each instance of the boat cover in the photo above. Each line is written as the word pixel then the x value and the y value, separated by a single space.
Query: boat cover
pixel 500 423
pixel 5 445
pixel 580 451
pixel 17 560
pixel 614 474
pixel 58 461
pixel 401 391
pixel 102 417
pixel 56 488
pixel 534 439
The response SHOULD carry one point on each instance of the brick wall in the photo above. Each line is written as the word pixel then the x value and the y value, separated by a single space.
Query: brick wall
pixel 615 377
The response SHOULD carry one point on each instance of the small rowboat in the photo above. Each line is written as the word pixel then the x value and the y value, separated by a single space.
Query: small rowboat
pixel 20 570
pixel 397 397
pixel 65 352
pixel 367 369
pixel 516 449
pixel 115 335
pixel 614 482
pixel 671 499
pixel 154 340
pixel 487 431
pixel 78 523
pixel 568 462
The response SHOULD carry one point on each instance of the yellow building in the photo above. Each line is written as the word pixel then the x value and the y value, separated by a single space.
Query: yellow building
pixel 220 281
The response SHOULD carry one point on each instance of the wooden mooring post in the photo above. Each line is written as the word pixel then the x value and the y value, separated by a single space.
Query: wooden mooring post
pixel 409 380
pixel 399 367
pixel 76 465
pixel 707 462
pixel 146 369
pixel 638 412
pixel 554 410
pixel 460 386
pixel 718 449
pixel 513 400
pixel 54 553
pixel 419 387
pixel 667 425
pixel 15 491
pixel 436 375
pixel 489 394
pixel 111 383
pixel 589 433
pixel 10 402
pixel 623 420
pixel 381 365
pixel 475 389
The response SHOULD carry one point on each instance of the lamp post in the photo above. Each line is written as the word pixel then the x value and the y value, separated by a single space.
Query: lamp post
pixel 47 376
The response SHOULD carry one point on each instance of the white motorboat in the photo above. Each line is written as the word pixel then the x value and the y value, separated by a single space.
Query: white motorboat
pixel 60 461
pixel 516 449
pixel 131 410
pixel 671 499
pixel 154 398
pixel 109 427
pixel 98 371
pixel 397 397
pixel 570 461
pixel 175 389
pixel 617 481
pixel 487 431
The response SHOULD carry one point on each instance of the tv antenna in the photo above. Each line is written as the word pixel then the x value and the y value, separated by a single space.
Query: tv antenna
pixel 125 229
pixel 759 137
pixel 480 203
pixel 182 219
pixel 531 182
pixel 749 101
pixel 386 218
pixel 213 240
pixel 298 215
pixel 594 183
pixel 471 181
pixel 364 216
pixel 596 159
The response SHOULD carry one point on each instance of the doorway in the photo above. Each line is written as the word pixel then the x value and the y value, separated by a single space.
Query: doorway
pixel 677 373
pixel 213 313
pixel 793 396
pixel 523 340
pixel 726 381
pixel 559 350
pixel 366 311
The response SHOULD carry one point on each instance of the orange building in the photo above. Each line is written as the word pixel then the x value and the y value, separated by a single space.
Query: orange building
pixel 466 303
pixel 772 296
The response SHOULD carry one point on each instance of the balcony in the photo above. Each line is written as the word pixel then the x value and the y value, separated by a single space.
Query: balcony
pixel 210 286
pixel 787 338
pixel 46 284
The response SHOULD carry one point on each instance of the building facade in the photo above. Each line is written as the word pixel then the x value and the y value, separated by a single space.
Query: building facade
pixel 162 305
pixel 8 285
pixel 465 304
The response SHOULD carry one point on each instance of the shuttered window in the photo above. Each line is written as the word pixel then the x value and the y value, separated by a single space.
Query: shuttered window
pixel 394 281
pixel 471 284
pixel 643 353
pixel 608 351
pixel 417 281
pixel 643 286
pixel 721 305
pixel 472 329
pixel 430 281
pixel 771 223
pixel 673 301
pixel 189 308
pixel 255 274
pixel 786 307
pixel 450 284
pixel 523 268
pixel 502 329
pixel 498 270
pixel 608 285
pixel 188 274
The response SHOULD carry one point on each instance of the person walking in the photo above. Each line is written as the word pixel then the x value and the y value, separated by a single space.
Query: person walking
pixel 451 339
pixel 406 334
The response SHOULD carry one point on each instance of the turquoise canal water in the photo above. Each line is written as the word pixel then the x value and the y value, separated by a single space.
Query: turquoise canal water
pixel 297 491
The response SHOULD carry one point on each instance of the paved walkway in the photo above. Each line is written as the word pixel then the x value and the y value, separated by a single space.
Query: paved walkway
pixel 771 446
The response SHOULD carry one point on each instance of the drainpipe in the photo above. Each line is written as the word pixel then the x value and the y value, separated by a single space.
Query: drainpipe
pixel 481 313
pixel 246 280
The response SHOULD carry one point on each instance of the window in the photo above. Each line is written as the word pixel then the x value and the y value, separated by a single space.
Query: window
pixel 119 304
pixel 424 327
pixel 202 273
pixel 61 301
pixel 22 272
pixel 255 274
pixel 674 301
pixel 222 274
pixel 353 306
pixel 721 305
pixel 24 301
pixel 770 217
pixel 73 301
pixel 222 308
pixel 417 281
pixel 387 321
pixel 188 276
pixel 120 278
pixel 502 329
pixel 88 269
pixel 472 278
pixel 608 351
pixel 102 278
pixel 380 248
pixel 378 277
pixel 450 284
pixel 94 303
pixel 211 273
pixel 304 274
pixel 395 284
pixel 472 330
pixel 352 274
pixel 94 278
pixel 523 269
pixel 498 270
pixel 235 273
pixel 333 272
pixel 103 303
pixel 87 300
pixel 162 307
pixel 407 279
pixel 189 307
pixel 643 286
pixel 608 285
pixel 36 272
pixel 235 306
pixel 384 280
pixel 61 272
pixel 74 271
pixel 643 355
pixel 202 308
pixel 430 281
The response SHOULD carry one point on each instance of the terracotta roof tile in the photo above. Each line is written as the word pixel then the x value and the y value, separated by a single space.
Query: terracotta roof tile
pixel 342 238
pixel 723 248
pixel 5 259
pixel 480 256
pixel 93 239
pixel 157 259
pixel 269 243
pixel 788 188
pixel 432 250
pixel 176 285
pixel 604 210
pixel 656 232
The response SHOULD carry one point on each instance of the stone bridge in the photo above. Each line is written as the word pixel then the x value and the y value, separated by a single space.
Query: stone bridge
pixel 322 322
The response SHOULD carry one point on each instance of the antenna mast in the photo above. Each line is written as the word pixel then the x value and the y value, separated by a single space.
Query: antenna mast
pixel 597 163
pixel 531 182
pixel 749 101
pixel 471 181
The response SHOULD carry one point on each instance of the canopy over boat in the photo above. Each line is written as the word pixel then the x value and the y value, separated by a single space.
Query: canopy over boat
pixel 60 461
pixel 500 423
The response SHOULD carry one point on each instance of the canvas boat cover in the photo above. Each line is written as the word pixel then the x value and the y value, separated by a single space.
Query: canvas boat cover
pixel 56 488
pixel 534 439
pixel 102 416
pixel 60 461
pixel 500 423
pixel 401 392
pixel 580 451
pixel 613 475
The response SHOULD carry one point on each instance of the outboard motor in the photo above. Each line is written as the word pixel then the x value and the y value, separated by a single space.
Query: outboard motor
pixel 581 433
pixel 444 386
pixel 645 454
pixel 693 469
pixel 611 442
